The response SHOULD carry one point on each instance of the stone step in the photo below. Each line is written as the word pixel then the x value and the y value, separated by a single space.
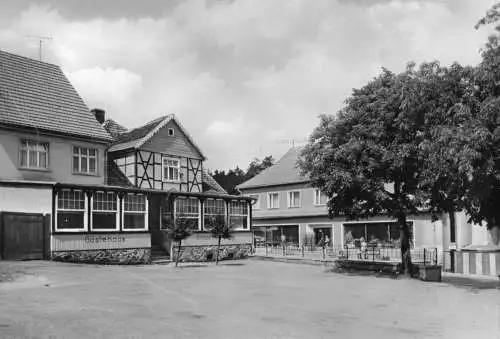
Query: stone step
pixel 160 261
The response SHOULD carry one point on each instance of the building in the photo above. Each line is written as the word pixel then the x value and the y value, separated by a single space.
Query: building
pixel 288 206
pixel 77 187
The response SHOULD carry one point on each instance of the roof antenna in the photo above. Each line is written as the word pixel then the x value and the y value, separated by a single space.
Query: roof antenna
pixel 291 142
pixel 41 40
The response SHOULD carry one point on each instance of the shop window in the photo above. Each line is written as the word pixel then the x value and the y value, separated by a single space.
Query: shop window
pixel 384 234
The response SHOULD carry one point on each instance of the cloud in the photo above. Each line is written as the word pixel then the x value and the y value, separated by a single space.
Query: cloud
pixel 241 75
pixel 107 88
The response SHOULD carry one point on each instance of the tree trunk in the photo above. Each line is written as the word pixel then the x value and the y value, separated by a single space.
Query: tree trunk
pixel 407 266
pixel 217 255
pixel 178 253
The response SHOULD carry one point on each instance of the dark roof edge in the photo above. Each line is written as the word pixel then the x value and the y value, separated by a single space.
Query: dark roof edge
pixel 152 191
pixel 273 185
pixel 30 129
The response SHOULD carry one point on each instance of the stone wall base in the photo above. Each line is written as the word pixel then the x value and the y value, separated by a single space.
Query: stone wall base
pixel 134 256
pixel 205 253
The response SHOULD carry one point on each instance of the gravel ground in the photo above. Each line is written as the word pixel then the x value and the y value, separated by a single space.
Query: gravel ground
pixel 244 299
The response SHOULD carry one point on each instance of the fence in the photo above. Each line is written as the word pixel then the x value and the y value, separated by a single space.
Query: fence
pixel 471 262
pixel 426 256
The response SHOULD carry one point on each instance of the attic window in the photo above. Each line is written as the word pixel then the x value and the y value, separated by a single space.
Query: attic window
pixel 171 132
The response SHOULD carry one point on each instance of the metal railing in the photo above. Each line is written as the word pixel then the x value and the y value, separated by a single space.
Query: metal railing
pixel 427 256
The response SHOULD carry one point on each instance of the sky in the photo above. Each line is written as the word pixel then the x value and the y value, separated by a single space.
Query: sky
pixel 243 76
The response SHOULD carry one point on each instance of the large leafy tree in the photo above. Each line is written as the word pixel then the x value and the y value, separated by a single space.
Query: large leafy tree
pixel 474 140
pixel 445 96
pixel 368 158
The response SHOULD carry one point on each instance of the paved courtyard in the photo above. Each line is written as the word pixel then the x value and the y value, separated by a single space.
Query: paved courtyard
pixel 245 299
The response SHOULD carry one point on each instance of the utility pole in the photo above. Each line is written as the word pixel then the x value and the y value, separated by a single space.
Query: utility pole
pixel 41 41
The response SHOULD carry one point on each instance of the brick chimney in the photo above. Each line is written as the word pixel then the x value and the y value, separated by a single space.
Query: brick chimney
pixel 100 115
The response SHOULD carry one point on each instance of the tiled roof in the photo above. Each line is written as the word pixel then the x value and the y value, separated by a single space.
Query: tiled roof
pixel 36 94
pixel 284 172
pixel 211 184
pixel 136 137
pixel 116 177
pixel 113 128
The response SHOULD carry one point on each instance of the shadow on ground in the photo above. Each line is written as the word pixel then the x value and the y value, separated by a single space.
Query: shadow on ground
pixel 468 283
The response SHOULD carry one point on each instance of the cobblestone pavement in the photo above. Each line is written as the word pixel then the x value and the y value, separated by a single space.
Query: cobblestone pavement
pixel 244 299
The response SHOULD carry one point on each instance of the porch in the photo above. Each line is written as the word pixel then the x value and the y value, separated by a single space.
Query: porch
pixel 107 224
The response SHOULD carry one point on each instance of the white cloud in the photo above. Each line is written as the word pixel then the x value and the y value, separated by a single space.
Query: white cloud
pixel 107 87
pixel 241 75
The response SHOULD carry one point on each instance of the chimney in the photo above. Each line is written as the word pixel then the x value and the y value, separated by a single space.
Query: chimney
pixel 100 115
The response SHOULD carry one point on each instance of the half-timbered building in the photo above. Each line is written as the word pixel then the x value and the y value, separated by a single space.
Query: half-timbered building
pixel 77 187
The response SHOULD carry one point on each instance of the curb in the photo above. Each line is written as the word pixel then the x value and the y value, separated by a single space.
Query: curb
pixel 317 262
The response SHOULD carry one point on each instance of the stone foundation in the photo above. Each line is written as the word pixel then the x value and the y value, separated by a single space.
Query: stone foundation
pixel 134 256
pixel 206 253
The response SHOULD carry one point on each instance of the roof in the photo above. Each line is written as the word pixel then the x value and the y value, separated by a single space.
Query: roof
pixel 116 176
pixel 37 94
pixel 113 128
pixel 284 172
pixel 211 184
pixel 137 137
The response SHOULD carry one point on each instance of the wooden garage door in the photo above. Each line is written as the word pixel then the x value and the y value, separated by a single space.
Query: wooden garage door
pixel 22 236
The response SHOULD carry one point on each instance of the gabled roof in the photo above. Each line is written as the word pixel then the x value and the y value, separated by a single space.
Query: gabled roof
pixel 37 94
pixel 284 172
pixel 137 137
pixel 211 185
pixel 113 128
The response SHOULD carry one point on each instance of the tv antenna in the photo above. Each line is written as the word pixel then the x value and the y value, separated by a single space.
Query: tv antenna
pixel 41 41
pixel 292 142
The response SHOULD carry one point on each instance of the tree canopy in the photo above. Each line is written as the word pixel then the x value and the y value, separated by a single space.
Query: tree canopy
pixel 426 138
pixel 233 177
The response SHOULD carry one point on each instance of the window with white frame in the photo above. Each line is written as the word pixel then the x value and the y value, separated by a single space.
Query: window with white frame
pixel 135 212
pixel 238 214
pixel 104 211
pixel 320 198
pixel 256 204
pixel 34 154
pixel 84 160
pixel 213 209
pixel 71 214
pixel 188 209
pixel 273 200
pixel 171 169
pixel 293 199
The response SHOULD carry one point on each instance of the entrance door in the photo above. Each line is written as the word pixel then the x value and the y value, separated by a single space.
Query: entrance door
pixel 318 231
pixel 22 236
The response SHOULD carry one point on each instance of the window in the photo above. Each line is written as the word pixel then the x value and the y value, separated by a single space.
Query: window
pixel 256 205
pixel 381 233
pixel 71 211
pixel 189 209
pixel 135 212
pixel 320 198
pixel 171 132
pixel 273 200
pixel 171 169
pixel 104 211
pixel 213 208
pixel 238 214
pixel 34 154
pixel 293 199
pixel 84 160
